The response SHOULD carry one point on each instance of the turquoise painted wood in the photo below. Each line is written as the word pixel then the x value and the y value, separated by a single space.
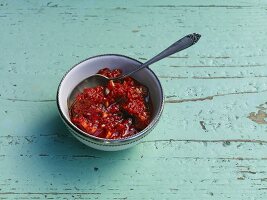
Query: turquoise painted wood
pixel 211 142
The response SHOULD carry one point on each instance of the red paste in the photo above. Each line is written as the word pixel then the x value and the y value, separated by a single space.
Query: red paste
pixel 118 110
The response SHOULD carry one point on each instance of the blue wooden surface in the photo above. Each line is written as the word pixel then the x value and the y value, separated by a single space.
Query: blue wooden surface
pixel 211 141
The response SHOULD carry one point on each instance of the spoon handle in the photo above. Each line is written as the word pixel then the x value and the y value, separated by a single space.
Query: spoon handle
pixel 180 45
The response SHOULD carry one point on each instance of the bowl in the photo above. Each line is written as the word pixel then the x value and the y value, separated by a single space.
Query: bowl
pixel 91 66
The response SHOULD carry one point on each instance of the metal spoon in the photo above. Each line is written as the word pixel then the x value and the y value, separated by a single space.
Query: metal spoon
pixel 97 79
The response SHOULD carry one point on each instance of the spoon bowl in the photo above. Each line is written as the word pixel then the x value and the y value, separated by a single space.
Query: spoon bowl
pixel 92 81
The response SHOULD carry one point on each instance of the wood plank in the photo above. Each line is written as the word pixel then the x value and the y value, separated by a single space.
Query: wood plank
pixel 35 88
pixel 172 168
pixel 65 49
pixel 217 118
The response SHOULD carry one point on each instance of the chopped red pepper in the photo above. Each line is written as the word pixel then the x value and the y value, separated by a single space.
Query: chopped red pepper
pixel 118 110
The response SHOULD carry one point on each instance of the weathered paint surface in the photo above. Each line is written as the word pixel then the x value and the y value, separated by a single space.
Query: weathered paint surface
pixel 211 142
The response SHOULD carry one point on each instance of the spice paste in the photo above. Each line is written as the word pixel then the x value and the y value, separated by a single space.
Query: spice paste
pixel 118 110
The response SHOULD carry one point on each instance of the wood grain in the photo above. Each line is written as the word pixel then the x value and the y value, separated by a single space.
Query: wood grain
pixel 211 140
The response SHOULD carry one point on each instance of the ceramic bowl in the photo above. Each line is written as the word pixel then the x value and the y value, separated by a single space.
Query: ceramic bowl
pixel 91 66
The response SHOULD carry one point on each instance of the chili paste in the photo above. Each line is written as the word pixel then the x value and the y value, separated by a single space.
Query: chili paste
pixel 118 110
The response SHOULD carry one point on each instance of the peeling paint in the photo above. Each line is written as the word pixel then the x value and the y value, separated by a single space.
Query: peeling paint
pixel 260 116
pixel 202 124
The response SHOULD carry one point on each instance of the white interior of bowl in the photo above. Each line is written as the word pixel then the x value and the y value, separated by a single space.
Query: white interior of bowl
pixel 93 65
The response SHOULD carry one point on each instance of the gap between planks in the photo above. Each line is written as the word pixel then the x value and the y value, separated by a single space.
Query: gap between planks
pixel 212 77
pixel 161 157
pixel 166 101
pixel 216 66
pixel 49 193
pixel 211 97
pixel 225 141
pixel 197 6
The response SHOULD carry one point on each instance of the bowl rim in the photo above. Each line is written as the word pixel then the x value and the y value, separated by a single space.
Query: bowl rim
pixel 111 142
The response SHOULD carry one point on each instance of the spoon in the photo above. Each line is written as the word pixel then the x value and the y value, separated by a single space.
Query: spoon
pixel 98 80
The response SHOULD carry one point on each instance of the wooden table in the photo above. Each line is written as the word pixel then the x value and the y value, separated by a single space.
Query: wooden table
pixel 211 141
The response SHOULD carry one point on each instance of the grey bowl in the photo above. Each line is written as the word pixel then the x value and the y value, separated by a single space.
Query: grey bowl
pixel 91 66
